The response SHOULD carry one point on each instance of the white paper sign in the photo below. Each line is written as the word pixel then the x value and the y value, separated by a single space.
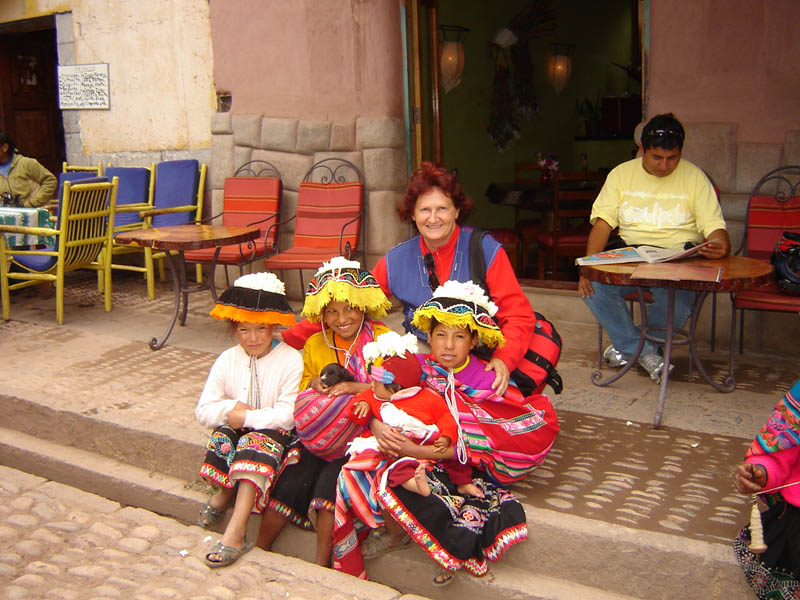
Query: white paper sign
pixel 83 86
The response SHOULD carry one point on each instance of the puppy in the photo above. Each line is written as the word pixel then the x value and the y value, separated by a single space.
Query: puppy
pixel 333 374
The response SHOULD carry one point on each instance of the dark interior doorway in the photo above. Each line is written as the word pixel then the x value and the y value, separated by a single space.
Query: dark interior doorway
pixel 29 92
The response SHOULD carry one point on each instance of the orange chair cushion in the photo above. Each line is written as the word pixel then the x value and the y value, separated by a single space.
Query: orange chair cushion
pixel 300 258
pixel 230 255
pixel 767 218
pixel 567 238
pixel 249 199
pixel 322 212
pixel 768 297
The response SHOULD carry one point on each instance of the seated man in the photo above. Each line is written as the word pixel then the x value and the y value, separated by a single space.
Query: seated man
pixel 657 200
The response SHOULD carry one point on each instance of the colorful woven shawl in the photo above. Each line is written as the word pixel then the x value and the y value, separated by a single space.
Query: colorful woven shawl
pixel 782 429
pixel 505 435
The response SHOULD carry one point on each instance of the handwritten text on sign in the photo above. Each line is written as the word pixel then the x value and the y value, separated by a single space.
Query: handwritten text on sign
pixel 83 86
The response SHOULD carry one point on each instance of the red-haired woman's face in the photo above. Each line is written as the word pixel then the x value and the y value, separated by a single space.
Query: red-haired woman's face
pixel 435 216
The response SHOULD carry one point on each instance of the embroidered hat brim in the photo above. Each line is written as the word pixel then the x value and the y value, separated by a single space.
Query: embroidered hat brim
pixel 459 313
pixel 356 287
pixel 247 305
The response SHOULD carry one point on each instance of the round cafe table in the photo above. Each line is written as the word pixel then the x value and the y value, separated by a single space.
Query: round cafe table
pixel 738 273
pixel 179 238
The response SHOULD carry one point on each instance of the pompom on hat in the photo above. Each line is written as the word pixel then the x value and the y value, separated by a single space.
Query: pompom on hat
pixel 390 359
pixel 342 280
pixel 461 304
pixel 255 298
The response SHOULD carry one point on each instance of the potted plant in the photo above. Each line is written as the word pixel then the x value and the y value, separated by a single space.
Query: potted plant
pixel 592 114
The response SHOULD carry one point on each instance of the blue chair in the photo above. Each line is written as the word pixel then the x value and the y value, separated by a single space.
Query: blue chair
pixel 177 200
pixel 135 194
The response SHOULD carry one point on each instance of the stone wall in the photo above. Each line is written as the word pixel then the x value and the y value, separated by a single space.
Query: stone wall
pixel 376 145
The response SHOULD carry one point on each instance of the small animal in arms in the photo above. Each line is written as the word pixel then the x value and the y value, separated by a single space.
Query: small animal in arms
pixel 334 373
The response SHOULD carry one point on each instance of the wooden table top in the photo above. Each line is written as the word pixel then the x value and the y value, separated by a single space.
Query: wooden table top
pixel 738 273
pixel 188 237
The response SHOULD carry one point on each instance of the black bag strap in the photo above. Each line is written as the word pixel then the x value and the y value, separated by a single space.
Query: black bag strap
pixel 477 261
pixel 477 273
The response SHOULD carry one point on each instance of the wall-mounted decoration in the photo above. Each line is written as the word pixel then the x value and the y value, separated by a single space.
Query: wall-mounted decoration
pixel 513 97
pixel 83 87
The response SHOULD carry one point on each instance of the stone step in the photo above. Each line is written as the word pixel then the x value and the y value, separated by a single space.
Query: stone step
pixel 110 460
pixel 178 499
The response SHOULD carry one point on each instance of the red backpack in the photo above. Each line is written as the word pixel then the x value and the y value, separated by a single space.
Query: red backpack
pixel 538 367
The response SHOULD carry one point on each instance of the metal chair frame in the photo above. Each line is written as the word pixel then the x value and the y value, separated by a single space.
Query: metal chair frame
pixel 253 168
pixel 331 171
pixel 786 180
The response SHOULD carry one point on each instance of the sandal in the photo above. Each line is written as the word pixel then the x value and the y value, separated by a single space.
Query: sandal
pixel 209 515
pixel 377 545
pixel 443 578
pixel 228 554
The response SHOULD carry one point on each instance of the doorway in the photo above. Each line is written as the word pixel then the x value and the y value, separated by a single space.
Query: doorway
pixel 29 92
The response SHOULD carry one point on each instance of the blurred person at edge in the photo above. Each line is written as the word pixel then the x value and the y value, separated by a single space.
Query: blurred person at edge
pixel 23 180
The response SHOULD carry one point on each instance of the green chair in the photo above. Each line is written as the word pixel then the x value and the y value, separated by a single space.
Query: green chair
pixel 85 222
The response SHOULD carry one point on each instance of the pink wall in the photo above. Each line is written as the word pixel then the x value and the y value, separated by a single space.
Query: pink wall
pixel 309 59
pixel 727 61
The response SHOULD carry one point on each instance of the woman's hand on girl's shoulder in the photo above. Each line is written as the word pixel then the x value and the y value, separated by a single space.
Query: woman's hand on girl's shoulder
pixel 502 375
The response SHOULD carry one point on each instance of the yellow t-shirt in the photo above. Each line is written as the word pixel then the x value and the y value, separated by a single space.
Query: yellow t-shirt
pixel 659 211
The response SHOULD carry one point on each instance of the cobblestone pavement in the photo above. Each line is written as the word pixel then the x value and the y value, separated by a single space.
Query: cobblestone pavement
pixel 59 542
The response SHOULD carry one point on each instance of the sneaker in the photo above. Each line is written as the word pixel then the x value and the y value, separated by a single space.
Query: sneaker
pixel 653 363
pixel 613 357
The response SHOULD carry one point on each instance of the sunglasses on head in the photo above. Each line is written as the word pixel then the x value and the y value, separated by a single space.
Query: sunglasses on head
pixel 664 133
pixel 433 280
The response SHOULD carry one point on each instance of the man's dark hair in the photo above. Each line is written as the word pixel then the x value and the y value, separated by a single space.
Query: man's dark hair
pixel 6 139
pixel 663 131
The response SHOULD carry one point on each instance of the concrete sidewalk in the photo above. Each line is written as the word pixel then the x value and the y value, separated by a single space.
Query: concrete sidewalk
pixel 90 405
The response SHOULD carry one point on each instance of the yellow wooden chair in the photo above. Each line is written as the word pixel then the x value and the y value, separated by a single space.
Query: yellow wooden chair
pixel 95 169
pixel 134 195
pixel 85 221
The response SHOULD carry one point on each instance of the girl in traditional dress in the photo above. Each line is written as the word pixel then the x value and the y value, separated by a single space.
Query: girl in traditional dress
pixel 773 461
pixel 347 302
pixel 249 401
pixel 506 437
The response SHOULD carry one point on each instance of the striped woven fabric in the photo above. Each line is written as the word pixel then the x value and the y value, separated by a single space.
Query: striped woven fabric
pixel 507 436
pixel 767 218
pixel 245 201
pixel 323 211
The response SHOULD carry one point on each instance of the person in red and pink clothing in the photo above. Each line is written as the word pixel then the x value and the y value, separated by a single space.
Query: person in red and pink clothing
pixel 435 202
pixel 772 469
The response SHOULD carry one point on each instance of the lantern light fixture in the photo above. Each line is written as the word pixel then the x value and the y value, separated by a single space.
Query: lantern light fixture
pixel 451 55
pixel 559 65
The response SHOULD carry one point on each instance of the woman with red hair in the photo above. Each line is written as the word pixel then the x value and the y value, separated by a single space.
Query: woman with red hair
pixel 435 202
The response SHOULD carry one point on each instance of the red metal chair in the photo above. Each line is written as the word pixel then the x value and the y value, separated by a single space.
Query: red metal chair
pixel 573 195
pixel 251 197
pixel 774 207
pixel 331 218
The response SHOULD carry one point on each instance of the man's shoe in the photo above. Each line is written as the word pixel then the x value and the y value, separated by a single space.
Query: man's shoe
pixel 613 357
pixel 653 363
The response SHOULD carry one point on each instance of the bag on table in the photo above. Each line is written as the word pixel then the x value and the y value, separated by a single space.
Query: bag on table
pixel 322 423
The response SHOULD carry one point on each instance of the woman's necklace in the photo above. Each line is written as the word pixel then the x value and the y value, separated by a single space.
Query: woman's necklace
pixel 347 353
